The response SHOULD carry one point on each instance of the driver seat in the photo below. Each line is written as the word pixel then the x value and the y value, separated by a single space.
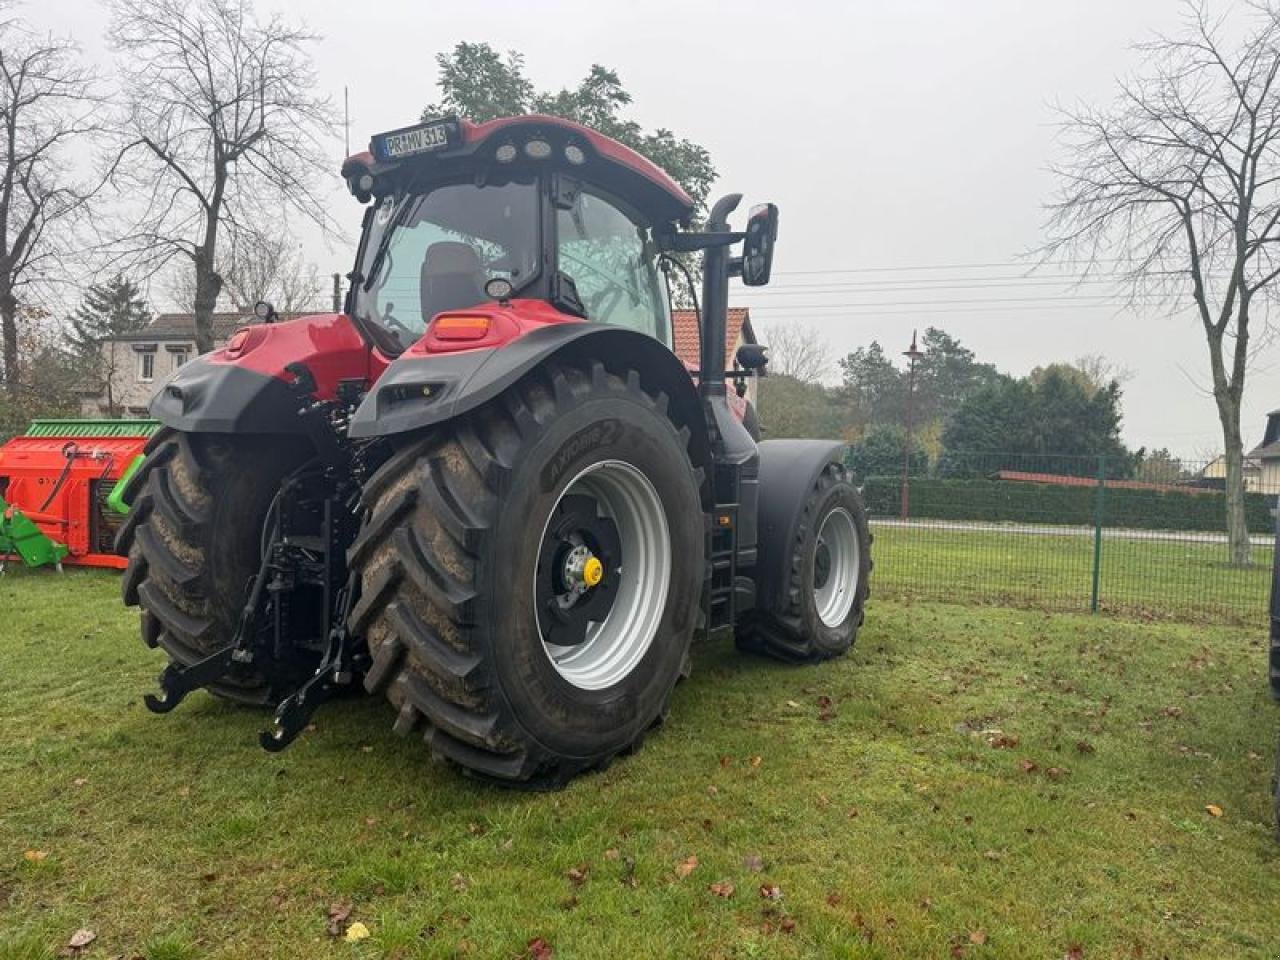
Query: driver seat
pixel 452 278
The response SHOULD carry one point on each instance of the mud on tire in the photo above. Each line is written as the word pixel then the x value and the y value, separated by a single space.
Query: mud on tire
pixel 192 537
pixel 798 633
pixel 448 559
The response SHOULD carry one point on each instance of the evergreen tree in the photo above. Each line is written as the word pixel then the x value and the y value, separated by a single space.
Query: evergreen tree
pixel 108 309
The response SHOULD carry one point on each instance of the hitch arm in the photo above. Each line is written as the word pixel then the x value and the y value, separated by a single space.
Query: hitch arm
pixel 176 682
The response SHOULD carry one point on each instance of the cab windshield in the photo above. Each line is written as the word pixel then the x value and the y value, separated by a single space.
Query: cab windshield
pixel 429 252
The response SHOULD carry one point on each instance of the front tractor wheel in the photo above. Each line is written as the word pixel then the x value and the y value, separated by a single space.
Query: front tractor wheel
pixel 826 579
pixel 193 538
pixel 531 576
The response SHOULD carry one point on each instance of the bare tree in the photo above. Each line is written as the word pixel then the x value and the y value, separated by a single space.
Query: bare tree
pixel 272 268
pixel 1179 182
pixel 797 350
pixel 46 102
pixel 1100 370
pixel 221 123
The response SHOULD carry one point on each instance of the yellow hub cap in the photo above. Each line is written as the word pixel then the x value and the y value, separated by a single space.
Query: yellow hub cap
pixel 592 572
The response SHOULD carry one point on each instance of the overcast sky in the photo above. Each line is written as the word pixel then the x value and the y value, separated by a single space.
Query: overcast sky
pixel 906 143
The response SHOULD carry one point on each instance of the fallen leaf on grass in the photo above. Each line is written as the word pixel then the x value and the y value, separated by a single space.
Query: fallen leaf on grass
pixel 753 862
pixel 338 914
pixel 459 883
pixel 79 781
pixel 686 867
pixel 723 889
pixel 81 939
pixel 1056 773
pixel 1172 711
pixel 611 853
pixel 356 932
pixel 793 705
pixel 1074 952
pixel 788 925
pixel 771 891
pixel 833 899
pixel 1029 766
pixel 1084 746
pixel 35 856
pixel 1006 742
pixel 756 761
pixel 539 949
pixel 578 875
pixel 977 937
pixel 1213 809
pixel 993 855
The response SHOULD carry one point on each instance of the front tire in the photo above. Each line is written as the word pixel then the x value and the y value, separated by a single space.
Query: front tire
pixel 483 631
pixel 828 579
pixel 193 539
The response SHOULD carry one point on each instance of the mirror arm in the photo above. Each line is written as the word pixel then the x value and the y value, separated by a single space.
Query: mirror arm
pixel 690 242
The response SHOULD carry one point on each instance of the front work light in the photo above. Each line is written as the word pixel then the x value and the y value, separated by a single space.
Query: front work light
pixel 537 149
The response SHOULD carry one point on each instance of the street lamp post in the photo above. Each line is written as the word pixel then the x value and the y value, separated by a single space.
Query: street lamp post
pixel 913 354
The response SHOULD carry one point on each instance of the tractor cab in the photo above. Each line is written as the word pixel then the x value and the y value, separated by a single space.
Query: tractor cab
pixel 464 216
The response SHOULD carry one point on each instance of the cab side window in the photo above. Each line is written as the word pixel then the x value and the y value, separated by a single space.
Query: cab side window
pixel 611 260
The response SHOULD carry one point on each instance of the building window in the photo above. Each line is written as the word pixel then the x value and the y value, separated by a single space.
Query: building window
pixel 178 358
pixel 146 367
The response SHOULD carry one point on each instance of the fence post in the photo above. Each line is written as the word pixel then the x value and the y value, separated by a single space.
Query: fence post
pixel 1273 656
pixel 1099 502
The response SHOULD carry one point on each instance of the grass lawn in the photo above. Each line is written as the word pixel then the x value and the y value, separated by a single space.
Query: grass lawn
pixel 984 783
pixel 1165 578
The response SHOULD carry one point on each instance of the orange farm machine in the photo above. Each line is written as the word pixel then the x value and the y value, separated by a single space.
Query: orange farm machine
pixel 56 490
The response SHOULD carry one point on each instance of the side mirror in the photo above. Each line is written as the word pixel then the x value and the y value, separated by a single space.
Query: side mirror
pixel 753 357
pixel 757 249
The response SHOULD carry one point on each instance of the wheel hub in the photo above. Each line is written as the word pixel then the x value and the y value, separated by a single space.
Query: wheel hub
pixel 577 566
pixel 836 567
pixel 603 572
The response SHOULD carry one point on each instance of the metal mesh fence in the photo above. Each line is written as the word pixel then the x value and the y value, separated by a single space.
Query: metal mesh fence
pixel 1073 533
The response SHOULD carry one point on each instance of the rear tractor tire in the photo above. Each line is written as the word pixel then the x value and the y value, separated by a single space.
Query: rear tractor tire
pixel 531 575
pixel 193 539
pixel 827 579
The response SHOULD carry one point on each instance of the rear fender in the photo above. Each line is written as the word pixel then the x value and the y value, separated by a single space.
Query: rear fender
pixel 788 471
pixel 420 391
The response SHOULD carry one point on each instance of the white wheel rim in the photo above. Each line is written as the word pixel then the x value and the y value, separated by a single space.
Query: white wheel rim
pixel 617 644
pixel 838 536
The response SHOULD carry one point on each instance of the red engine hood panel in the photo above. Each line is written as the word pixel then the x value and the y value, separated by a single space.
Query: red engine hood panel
pixel 328 344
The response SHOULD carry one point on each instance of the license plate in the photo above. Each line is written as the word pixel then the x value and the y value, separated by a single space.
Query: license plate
pixel 420 140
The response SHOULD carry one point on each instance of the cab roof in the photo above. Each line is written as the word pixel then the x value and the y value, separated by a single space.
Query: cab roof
pixel 610 164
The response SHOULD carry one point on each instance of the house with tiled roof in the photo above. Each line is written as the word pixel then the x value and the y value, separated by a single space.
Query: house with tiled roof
pixel 687 340
pixel 1267 455
pixel 139 361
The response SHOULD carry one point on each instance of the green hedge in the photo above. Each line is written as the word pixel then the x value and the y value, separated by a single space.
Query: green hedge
pixel 1020 502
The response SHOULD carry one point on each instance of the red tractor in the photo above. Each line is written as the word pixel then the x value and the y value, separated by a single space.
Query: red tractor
pixel 488 489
